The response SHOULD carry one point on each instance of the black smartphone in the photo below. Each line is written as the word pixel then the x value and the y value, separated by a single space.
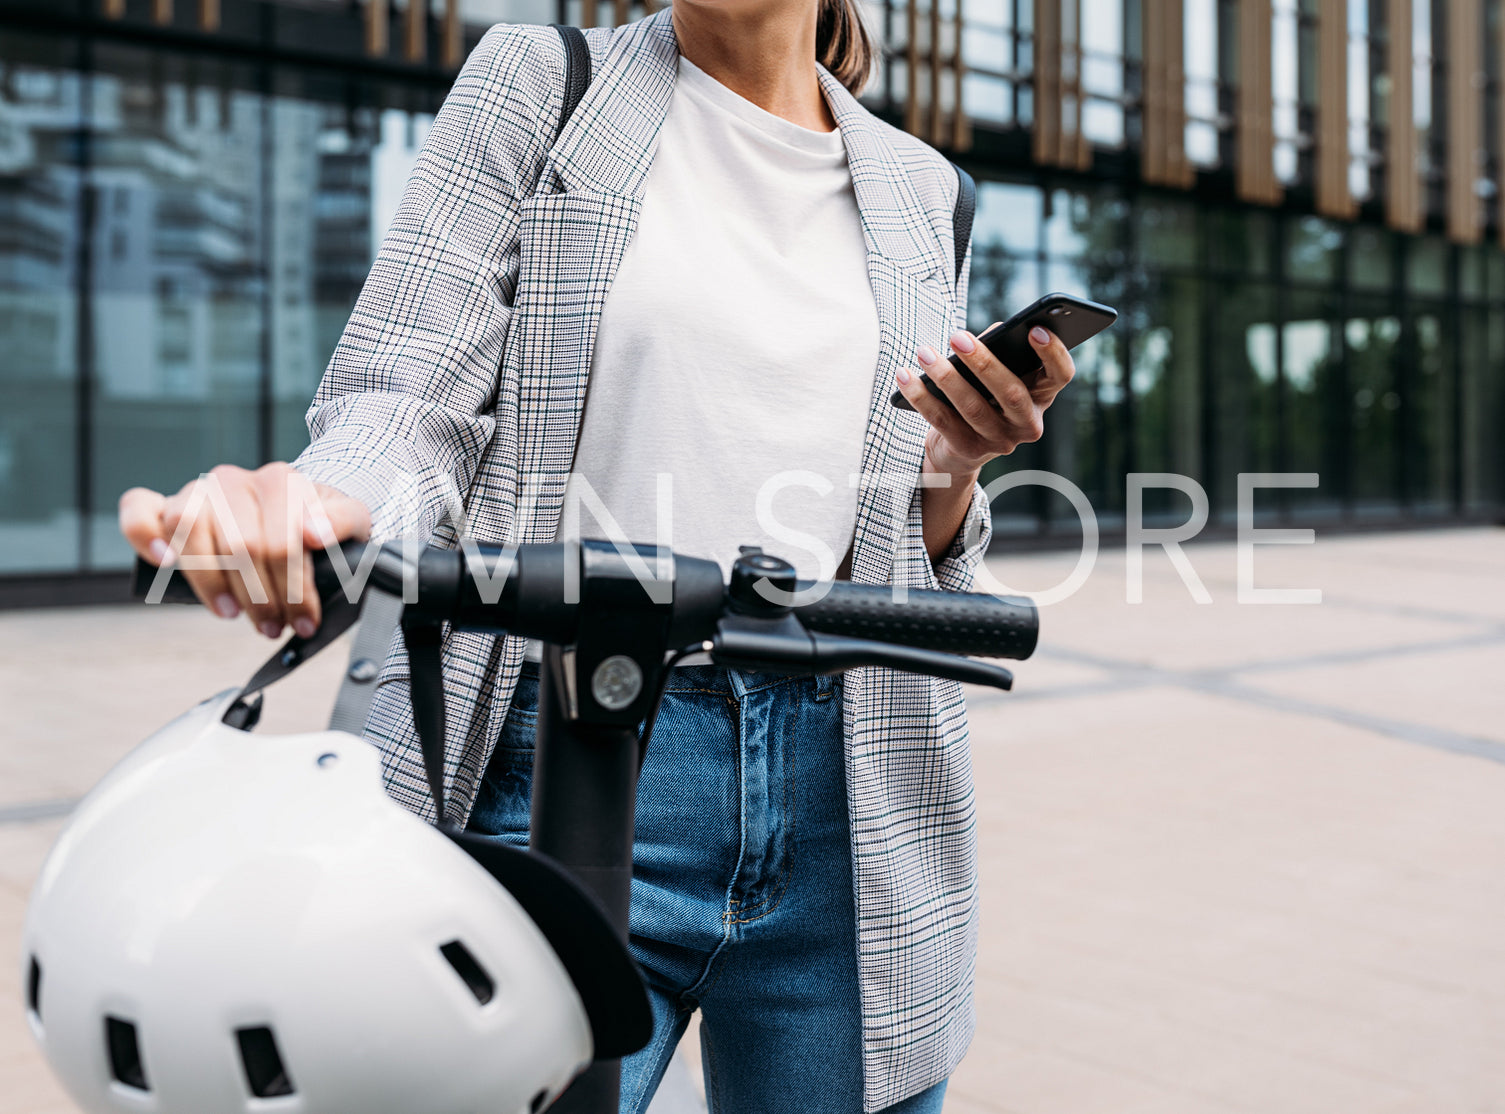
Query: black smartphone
pixel 1072 319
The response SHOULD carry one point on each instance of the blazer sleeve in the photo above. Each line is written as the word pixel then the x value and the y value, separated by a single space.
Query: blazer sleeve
pixel 402 415
pixel 957 568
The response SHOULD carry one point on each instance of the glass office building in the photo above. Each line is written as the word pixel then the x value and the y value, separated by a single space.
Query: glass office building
pixel 190 196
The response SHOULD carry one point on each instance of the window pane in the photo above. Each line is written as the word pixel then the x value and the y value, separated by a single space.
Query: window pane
pixel 1483 449
pixel 1285 55
pixel 1008 213
pixel 1428 270
pixel 1245 388
pixel 1201 67
pixel 986 48
pixel 1312 249
pixel 1086 225
pixel 1005 252
pixel 486 12
pixel 177 282
pixel 1316 404
pixel 1428 393
pixel 1372 333
pixel 1166 380
pixel 1103 122
pixel 1167 233
pixel 39 246
pixel 1096 397
pixel 1371 258
pixel 1241 241
pixel 340 177
pixel 987 98
pixel 1001 284
pixel 1471 270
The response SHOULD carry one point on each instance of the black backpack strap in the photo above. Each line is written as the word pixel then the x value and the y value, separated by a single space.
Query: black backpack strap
pixel 961 220
pixel 577 71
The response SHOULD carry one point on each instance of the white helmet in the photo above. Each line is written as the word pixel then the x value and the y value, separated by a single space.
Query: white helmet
pixel 246 923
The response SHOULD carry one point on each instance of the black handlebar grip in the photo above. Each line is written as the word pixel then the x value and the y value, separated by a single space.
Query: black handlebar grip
pixel 970 623
pixel 144 575
pixel 326 577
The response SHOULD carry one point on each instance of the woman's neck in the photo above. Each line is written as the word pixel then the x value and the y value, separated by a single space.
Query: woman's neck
pixel 765 55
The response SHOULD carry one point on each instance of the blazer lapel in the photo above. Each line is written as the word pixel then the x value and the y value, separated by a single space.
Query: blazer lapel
pixel 608 144
pixel 909 273
pixel 575 230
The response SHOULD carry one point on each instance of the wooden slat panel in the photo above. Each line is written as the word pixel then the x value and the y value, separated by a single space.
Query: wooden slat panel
pixel 1163 149
pixel 1058 139
pixel 1152 152
pixel 1465 119
pixel 415 31
pixel 378 28
pixel 1255 173
pixel 912 116
pixel 1500 117
pixel 1403 199
pixel 588 13
pixel 622 12
pixel 1334 199
pixel 933 59
pixel 1179 171
pixel 935 130
pixel 114 9
pixel 453 35
pixel 1047 133
pixel 209 15
pixel 162 11
pixel 1076 152
pixel 961 123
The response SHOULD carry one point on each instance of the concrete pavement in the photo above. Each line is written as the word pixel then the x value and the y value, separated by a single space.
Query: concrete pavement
pixel 1234 858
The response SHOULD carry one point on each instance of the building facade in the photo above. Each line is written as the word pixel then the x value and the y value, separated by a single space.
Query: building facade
pixel 1295 204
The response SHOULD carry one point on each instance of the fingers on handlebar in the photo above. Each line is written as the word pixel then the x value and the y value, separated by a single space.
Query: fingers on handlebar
pixel 329 517
pixel 269 517
pixel 196 535
pixel 242 531
pixel 141 524
pixel 272 493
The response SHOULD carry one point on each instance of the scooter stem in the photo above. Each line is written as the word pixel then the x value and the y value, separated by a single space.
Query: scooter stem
pixel 585 779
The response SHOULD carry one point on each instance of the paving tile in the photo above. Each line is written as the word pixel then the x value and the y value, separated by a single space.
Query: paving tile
pixel 1443 690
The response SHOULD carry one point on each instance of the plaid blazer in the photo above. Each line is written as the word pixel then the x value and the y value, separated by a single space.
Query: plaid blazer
pixel 453 402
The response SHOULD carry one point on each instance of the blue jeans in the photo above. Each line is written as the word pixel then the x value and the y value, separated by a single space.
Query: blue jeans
pixel 742 900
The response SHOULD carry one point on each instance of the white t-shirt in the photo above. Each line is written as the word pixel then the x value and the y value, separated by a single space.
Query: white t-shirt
pixel 737 347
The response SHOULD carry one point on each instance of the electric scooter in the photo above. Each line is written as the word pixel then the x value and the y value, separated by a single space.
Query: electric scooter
pixel 613 620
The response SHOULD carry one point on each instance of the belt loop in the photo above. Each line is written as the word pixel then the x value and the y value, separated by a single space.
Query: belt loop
pixel 737 682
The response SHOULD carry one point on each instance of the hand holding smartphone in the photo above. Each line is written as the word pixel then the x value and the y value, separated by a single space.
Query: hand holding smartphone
pixel 1071 319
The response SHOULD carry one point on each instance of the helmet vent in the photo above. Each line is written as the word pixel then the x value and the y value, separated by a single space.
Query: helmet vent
pixel 125 1054
pixel 34 989
pixel 540 1101
pixel 470 970
pixel 265 1073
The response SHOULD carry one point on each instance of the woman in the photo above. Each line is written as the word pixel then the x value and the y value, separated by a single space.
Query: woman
pixel 741 261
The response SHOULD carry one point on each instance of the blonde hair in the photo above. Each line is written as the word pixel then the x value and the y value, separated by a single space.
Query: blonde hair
pixel 843 44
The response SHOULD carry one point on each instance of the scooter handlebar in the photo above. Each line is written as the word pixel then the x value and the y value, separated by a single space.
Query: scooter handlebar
pixel 531 601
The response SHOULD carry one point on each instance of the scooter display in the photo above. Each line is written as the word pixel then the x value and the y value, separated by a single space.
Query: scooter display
pixel 234 923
